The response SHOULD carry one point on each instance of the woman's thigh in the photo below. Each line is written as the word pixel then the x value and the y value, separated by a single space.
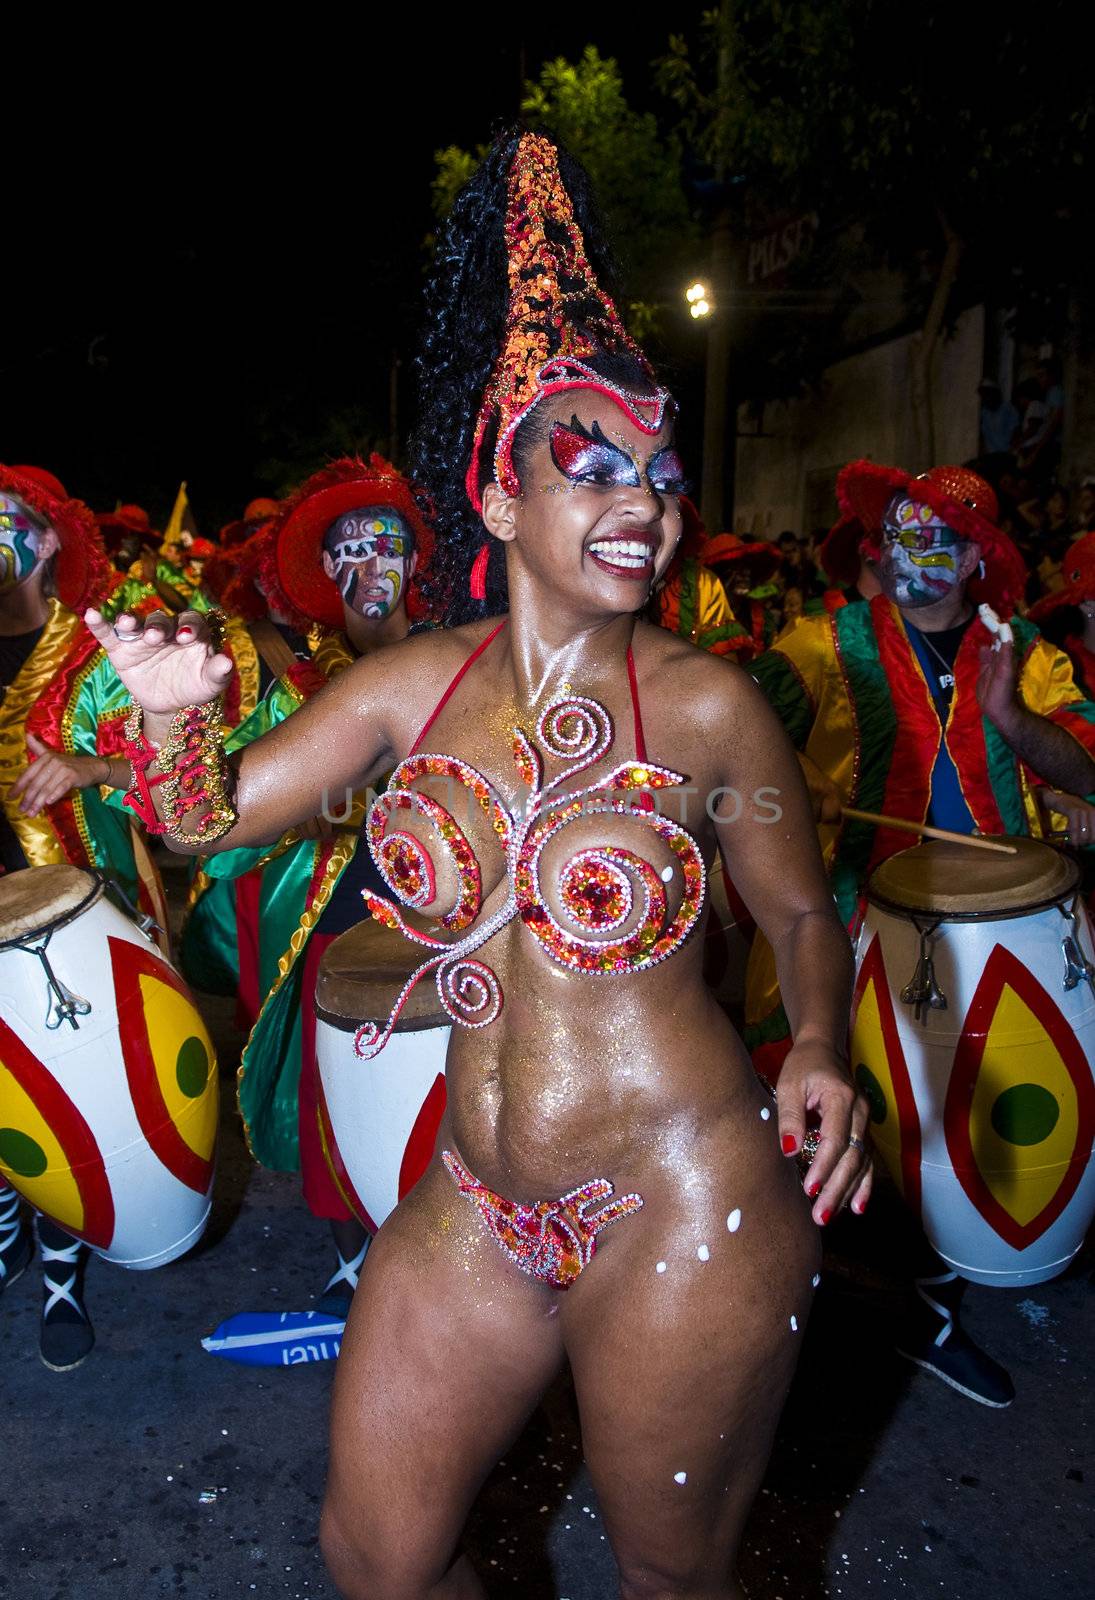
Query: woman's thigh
pixel 683 1334
pixel 447 1350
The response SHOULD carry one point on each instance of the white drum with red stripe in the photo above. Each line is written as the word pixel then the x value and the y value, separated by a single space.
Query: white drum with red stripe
pixel 378 1119
pixel 108 1076
pixel 973 1037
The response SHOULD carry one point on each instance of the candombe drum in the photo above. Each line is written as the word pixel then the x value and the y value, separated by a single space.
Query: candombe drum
pixel 108 1078
pixel 973 1036
pixel 378 1119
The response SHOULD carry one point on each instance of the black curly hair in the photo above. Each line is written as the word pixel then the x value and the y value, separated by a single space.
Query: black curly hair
pixel 466 304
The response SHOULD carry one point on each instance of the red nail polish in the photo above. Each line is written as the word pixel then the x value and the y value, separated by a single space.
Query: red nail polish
pixel 789 1143
pixel 826 1218
pixel 814 1191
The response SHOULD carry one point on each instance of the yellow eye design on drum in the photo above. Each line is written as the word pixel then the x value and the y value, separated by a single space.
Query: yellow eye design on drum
pixel 169 1061
pixel 47 1150
pixel 885 1083
pixel 1020 1109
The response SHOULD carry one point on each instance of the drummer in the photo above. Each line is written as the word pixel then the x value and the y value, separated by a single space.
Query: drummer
pixel 55 685
pixel 338 572
pixel 909 705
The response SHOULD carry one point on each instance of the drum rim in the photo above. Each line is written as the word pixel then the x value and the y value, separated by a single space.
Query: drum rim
pixel 344 1024
pixel 97 889
pixel 928 914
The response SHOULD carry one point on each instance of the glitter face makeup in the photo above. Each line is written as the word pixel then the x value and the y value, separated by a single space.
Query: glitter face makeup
pixel 369 552
pixel 20 540
pixel 920 554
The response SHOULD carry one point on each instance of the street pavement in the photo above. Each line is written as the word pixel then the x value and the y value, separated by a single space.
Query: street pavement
pixel 156 1469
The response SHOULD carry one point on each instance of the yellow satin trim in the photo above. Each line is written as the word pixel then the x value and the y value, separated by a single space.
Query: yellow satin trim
pixel 36 836
pixel 343 850
pixel 1046 685
pixel 331 651
pixel 246 657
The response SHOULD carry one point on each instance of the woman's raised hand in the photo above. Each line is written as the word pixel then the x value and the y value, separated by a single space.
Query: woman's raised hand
pixel 165 662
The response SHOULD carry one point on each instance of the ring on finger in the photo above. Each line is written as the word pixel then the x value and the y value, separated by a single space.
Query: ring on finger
pixel 856 1143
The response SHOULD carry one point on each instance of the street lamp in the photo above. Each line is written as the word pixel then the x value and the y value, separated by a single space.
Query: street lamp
pixel 698 303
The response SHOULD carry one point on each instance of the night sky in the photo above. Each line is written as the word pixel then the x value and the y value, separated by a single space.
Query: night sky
pixel 216 244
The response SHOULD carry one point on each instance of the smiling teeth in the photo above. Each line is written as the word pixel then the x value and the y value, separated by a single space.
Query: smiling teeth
pixel 623 552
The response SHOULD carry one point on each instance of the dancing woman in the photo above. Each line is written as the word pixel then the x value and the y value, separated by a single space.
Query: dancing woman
pixel 563 772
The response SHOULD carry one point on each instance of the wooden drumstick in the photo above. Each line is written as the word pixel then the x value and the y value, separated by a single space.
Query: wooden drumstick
pixel 972 839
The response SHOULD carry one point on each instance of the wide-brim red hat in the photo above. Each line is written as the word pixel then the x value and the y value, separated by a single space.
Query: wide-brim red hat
pixel 1078 572
pixel 115 525
pixel 727 549
pixel 839 554
pixel 292 570
pixel 230 575
pixel 83 572
pixel 960 498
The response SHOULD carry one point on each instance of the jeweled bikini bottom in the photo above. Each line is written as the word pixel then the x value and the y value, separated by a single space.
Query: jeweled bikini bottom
pixel 552 1239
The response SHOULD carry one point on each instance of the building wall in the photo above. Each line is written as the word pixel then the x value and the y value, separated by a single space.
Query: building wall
pixel 785 475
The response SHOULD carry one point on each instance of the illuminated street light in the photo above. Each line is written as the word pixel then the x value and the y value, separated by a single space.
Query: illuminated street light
pixel 700 308
pixel 697 292
pixel 698 303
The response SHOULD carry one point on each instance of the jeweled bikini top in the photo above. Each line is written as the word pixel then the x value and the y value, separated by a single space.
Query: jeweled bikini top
pixel 597 886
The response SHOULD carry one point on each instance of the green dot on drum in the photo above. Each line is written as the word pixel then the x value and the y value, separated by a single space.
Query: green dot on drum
pixel 1025 1114
pixel 192 1067
pixel 872 1092
pixel 22 1154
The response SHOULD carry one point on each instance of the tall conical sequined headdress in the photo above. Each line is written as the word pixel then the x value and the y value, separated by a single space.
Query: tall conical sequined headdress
pixel 558 317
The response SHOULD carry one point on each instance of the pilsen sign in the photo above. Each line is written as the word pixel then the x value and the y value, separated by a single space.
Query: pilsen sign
pixel 768 255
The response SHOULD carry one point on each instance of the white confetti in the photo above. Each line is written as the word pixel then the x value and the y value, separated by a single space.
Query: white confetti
pixel 794 1324
pixel 660 1267
pixel 704 1253
pixel 680 1477
pixel 667 874
pixel 733 1221
pixel 764 1113
pixel 816 1279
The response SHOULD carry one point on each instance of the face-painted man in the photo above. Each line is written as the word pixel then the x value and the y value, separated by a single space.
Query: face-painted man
pixel 21 540
pixel 923 560
pixel 370 555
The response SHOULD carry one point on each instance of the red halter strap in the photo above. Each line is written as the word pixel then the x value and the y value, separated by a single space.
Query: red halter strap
pixel 453 686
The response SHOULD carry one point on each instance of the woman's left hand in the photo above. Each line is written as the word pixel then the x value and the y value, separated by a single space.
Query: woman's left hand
pixel 814 1078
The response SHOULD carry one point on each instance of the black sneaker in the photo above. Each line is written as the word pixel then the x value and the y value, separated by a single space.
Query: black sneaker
pixel 66 1337
pixel 338 1291
pixel 953 1357
pixel 16 1240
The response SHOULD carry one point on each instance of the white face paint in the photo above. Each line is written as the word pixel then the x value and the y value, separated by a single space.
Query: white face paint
pixel 920 554
pixel 368 553
pixel 20 542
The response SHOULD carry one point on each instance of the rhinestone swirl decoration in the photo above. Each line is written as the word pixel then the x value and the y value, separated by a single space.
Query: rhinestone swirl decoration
pixel 599 888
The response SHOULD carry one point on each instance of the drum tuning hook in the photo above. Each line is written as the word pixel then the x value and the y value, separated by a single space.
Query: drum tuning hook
pixel 65 1005
pixel 922 989
pixel 1078 968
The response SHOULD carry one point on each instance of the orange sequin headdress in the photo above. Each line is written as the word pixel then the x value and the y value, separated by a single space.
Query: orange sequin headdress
pixel 558 318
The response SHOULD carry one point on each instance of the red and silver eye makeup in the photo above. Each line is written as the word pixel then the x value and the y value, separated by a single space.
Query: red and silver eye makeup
pixel 586 456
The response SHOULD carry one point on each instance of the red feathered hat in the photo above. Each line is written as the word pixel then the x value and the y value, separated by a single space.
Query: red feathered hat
pixel 726 549
pixel 292 567
pixel 1078 571
pixel 961 499
pixel 230 575
pixel 842 550
pixel 256 514
pixel 127 521
pixel 83 573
